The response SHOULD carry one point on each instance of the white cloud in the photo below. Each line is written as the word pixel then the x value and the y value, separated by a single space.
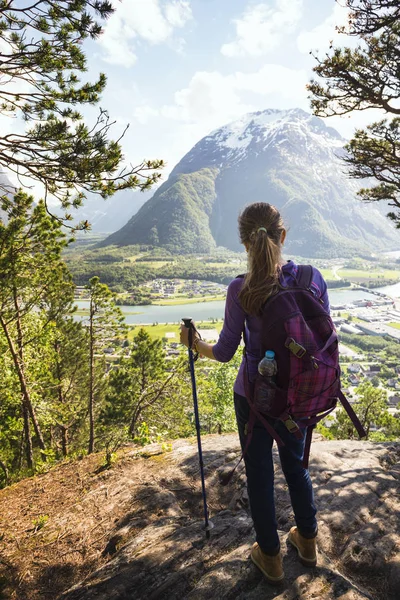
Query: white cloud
pixel 323 34
pixel 262 28
pixel 153 21
pixel 178 13
pixel 210 100
pixel 213 98
pixel 145 113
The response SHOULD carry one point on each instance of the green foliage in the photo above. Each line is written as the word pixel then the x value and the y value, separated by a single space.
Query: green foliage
pixel 177 217
pixel 371 408
pixel 325 431
pixel 375 381
pixel 42 43
pixel 147 434
pixel 107 330
pixel 367 76
pixel 140 387
pixel 371 343
pixel 218 408
pixel 338 283
pixel 33 276
pixel 40 522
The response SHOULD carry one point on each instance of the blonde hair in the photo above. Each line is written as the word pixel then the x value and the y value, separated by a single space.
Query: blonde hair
pixel 260 230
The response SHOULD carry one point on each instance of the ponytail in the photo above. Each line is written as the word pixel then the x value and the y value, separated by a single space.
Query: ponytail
pixel 260 229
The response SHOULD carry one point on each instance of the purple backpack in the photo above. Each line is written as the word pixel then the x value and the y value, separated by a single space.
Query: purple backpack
pixel 306 388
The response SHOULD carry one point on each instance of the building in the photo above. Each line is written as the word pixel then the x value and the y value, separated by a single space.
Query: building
pixel 391 382
pixel 354 368
pixel 380 329
pixel 394 400
pixel 350 329
pixel 338 321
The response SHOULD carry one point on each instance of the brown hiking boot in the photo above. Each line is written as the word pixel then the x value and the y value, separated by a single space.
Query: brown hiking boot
pixel 307 549
pixel 271 566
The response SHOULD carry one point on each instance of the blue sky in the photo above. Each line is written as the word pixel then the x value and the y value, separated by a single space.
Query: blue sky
pixel 177 69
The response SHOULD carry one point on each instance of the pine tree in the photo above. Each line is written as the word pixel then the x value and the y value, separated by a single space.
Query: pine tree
pixel 106 329
pixel 31 268
pixel 42 58
pixel 11 429
pixel 65 377
pixel 141 385
pixel 367 77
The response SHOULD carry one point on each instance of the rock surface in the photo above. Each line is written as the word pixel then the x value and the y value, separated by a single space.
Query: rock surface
pixel 158 550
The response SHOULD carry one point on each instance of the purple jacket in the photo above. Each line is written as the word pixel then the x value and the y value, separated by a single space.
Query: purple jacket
pixel 236 318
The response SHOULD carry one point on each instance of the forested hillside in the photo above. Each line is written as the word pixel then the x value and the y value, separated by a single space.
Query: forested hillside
pixel 287 158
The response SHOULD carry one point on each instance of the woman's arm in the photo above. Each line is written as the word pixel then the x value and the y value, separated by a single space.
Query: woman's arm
pixel 231 334
pixel 199 345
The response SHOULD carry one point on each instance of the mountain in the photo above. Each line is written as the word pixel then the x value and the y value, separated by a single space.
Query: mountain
pixel 107 216
pixel 6 188
pixel 288 158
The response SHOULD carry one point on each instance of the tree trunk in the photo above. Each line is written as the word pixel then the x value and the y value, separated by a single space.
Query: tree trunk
pixel 52 444
pixel 27 403
pixel 27 436
pixel 21 450
pixel 91 379
pixel 61 400
pixel 134 420
pixel 64 440
pixel 26 393
pixel 5 471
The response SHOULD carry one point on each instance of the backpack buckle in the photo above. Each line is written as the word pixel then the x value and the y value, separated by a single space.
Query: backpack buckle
pixel 291 425
pixel 297 349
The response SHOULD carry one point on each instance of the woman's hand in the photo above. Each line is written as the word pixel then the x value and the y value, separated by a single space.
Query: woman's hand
pixel 185 336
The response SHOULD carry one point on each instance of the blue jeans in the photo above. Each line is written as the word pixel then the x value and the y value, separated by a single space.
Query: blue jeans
pixel 260 479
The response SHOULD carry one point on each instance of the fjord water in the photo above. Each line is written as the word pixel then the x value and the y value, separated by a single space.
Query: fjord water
pixel 204 311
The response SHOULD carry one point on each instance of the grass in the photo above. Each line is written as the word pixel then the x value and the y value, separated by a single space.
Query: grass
pixel 178 301
pixel 395 325
pixel 159 331
pixel 84 312
pixel 327 274
pixel 364 275
pixel 155 264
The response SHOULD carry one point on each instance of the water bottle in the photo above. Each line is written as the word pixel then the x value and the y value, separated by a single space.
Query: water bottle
pixel 265 387
pixel 267 367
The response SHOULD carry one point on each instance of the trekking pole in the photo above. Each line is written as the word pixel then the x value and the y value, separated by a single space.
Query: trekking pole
pixel 208 524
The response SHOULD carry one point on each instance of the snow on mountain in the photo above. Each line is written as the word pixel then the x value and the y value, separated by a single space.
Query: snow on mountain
pixel 256 132
pixel 286 157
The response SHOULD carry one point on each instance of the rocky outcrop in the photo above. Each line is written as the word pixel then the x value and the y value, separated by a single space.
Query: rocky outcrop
pixel 158 549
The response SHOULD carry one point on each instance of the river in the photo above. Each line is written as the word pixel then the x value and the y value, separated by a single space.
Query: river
pixel 205 311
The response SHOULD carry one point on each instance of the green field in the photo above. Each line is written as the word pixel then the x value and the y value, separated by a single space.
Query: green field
pixel 84 312
pixel 327 274
pixel 395 325
pixel 159 331
pixel 185 300
pixel 365 275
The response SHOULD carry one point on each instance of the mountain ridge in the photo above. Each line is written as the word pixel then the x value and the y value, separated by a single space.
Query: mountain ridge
pixel 288 158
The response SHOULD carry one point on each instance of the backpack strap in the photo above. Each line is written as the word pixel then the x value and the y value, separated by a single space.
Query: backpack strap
pixel 307 446
pixel 354 419
pixel 304 276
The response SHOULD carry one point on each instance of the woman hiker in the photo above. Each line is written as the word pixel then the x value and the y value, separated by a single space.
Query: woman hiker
pixel 262 233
